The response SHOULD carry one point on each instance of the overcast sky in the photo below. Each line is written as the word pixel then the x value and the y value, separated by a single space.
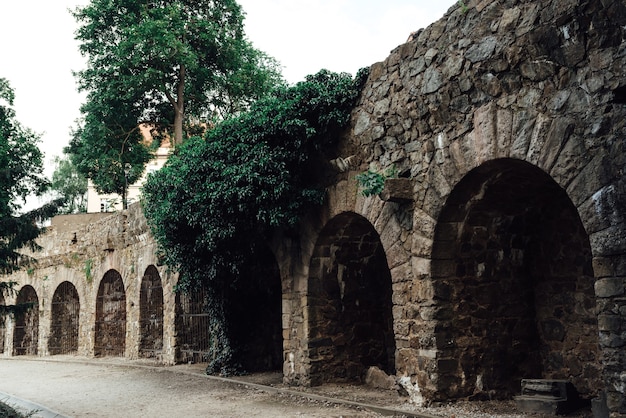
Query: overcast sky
pixel 39 52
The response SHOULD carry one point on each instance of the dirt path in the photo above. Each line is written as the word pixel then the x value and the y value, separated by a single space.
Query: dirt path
pixel 115 387
pixel 98 389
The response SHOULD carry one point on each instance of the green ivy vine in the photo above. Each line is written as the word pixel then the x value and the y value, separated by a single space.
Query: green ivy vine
pixel 372 182
pixel 221 195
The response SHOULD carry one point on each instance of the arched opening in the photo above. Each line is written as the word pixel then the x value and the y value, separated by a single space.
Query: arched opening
pixel 350 307
pixel 65 319
pixel 253 302
pixel 511 267
pixel 192 326
pixel 151 313
pixel 26 333
pixel 110 316
pixel 2 326
pixel 255 316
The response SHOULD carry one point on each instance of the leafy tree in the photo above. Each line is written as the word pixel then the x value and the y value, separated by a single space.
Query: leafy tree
pixel 68 183
pixel 21 174
pixel 108 146
pixel 169 64
pixel 171 61
pixel 218 197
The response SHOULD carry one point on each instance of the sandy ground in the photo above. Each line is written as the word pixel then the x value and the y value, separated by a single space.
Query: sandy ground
pixel 115 387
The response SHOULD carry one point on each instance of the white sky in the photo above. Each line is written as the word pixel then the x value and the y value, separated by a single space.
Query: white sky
pixel 39 53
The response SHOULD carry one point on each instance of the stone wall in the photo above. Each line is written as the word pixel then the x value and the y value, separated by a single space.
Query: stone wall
pixel 508 117
pixel 78 253
pixel 505 260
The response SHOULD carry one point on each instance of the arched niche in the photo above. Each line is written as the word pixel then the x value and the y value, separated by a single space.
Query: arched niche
pixel 349 302
pixel 511 268
pixel 2 326
pixel 64 320
pixel 26 332
pixel 151 313
pixel 110 335
pixel 255 313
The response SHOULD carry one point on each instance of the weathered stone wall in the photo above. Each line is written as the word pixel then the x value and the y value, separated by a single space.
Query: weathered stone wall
pixel 538 82
pixel 507 259
pixel 81 250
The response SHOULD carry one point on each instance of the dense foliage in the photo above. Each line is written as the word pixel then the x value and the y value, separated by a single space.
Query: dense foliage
pixel 218 196
pixel 21 174
pixel 170 65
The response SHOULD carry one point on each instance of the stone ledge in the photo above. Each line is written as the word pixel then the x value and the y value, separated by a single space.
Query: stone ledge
pixel 398 190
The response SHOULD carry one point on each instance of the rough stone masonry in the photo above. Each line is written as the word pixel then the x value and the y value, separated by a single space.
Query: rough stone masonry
pixel 506 258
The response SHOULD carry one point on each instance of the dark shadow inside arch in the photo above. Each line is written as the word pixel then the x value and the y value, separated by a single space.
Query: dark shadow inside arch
pixel 26 333
pixel 253 304
pixel 255 313
pixel 110 338
pixel 64 320
pixel 151 313
pixel 350 305
pixel 511 267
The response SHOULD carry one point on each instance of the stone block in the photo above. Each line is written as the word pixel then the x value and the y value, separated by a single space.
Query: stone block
pixel 609 287
pixel 546 396
pixel 504 132
pixel 433 80
pixel 420 266
pixel 538 70
pixel 421 246
pixel 482 50
pixel 558 134
pixel 402 273
pixel 378 379
pixel 397 255
pixel 398 190
pixel 611 240
pixel 485 131
pixel 611 323
pixel 538 138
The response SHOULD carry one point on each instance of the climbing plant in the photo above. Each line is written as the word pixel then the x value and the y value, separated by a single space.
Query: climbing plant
pixel 219 196
pixel 372 182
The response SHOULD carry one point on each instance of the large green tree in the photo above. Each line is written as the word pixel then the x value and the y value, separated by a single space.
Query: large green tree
pixel 21 174
pixel 219 197
pixel 169 64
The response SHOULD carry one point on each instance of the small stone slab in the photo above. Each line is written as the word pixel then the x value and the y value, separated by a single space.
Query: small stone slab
pixel 399 190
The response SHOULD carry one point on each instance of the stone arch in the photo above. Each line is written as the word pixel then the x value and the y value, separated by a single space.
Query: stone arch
pixel 349 302
pixel 26 332
pixel 512 269
pixel 110 335
pixel 64 320
pixel 151 313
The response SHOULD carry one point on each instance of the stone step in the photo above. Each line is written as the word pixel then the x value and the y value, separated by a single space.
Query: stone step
pixel 545 387
pixel 548 396
pixel 538 404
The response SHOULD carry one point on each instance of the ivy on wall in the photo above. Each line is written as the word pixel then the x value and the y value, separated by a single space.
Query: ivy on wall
pixel 219 196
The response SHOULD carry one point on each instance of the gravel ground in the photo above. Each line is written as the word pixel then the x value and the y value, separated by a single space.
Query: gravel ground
pixel 115 387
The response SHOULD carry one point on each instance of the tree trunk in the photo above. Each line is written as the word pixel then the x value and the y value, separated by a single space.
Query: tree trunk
pixel 179 107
